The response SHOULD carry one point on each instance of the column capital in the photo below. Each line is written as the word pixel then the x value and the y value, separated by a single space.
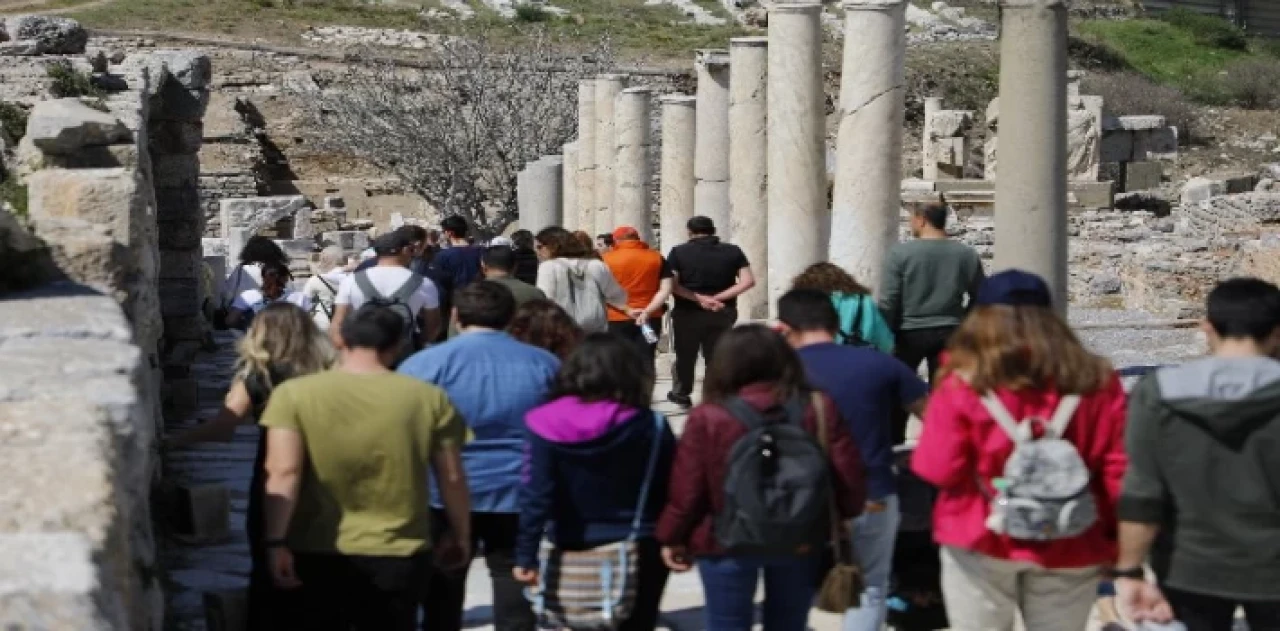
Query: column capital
pixel 711 57
pixel 796 7
pixel 1032 4
pixel 749 41
pixel 678 99
pixel 873 5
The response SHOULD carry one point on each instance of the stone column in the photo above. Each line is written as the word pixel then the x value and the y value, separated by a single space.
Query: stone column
pixel 608 87
pixel 798 216
pixel 932 105
pixel 679 124
pixel 1031 174
pixel 569 187
pixel 711 142
pixel 633 174
pixel 585 217
pixel 749 164
pixel 539 194
pixel 868 181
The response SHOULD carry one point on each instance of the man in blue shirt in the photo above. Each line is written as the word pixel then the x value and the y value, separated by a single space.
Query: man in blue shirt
pixel 492 380
pixel 456 266
pixel 867 385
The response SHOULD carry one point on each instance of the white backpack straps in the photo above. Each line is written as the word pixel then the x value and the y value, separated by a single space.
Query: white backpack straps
pixel 1002 416
pixel 1062 416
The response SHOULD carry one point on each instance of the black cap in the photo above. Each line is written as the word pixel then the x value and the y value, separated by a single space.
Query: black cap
pixel 392 242
pixel 1014 287
pixel 701 225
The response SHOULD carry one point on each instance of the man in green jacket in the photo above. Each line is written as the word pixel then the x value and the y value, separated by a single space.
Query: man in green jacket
pixel 1202 492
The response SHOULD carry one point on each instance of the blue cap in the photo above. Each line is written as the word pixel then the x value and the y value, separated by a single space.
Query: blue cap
pixel 1014 287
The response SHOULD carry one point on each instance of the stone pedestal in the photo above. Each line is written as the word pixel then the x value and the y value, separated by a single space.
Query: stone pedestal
pixel 749 165
pixel 608 87
pixel 711 144
pixel 633 174
pixel 798 216
pixel 867 195
pixel 539 194
pixel 932 105
pixel 678 183
pixel 586 196
pixel 569 187
pixel 1031 175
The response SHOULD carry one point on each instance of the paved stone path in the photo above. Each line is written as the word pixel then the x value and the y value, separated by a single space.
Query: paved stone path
pixel 223 566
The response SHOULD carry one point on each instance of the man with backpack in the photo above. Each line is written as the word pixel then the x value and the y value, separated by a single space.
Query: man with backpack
pixel 1202 491
pixel 866 386
pixel 391 284
pixel 493 380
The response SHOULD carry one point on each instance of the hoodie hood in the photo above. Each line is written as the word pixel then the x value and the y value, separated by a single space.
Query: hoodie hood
pixel 570 422
pixel 577 267
pixel 1229 397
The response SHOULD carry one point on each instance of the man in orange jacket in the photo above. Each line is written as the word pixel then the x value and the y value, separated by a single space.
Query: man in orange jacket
pixel 644 274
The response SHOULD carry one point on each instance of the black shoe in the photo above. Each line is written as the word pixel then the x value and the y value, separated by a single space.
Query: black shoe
pixel 681 400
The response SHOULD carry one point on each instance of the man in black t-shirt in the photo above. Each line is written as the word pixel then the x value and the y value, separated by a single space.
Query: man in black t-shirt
pixel 709 277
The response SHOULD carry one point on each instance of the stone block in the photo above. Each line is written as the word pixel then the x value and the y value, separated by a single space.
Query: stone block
pixel 179 297
pixel 297 248
pixel 348 240
pixel 175 136
pixel 180 234
pixel 1117 146
pixel 107 197
pixel 1135 123
pixel 302 226
pixel 180 264
pixel 1240 183
pixel 226 610
pixel 175 171
pixel 1155 144
pixel 257 213
pixel 1199 189
pixel 179 104
pixel 214 247
pixel 1141 176
pixel 182 202
pixel 88 253
pixel 50 34
pixel 1092 194
pixel 63 126
pixel 103 157
pixel 192 327
pixel 53 581
pixel 204 513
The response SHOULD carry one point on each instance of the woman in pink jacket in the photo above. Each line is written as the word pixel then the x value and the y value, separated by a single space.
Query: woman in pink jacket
pixel 1012 539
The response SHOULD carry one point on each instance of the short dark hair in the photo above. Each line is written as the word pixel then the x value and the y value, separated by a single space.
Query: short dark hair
pixel 373 327
pixel 500 257
pixel 260 249
pixel 392 243
pixel 522 239
pixel 935 213
pixel 1244 308
pixel 455 225
pixel 606 367
pixel 485 303
pixel 418 233
pixel 700 225
pixel 808 310
pixel 751 354
pixel 607 238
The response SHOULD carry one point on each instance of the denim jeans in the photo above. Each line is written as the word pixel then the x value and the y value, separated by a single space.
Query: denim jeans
pixel 873 538
pixel 729 584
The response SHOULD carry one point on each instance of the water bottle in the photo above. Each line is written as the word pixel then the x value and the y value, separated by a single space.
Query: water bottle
pixel 650 335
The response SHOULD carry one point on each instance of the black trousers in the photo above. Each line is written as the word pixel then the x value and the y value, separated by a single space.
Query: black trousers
pixel 358 593
pixel 630 331
pixel 912 347
pixel 1211 613
pixel 447 589
pixel 696 330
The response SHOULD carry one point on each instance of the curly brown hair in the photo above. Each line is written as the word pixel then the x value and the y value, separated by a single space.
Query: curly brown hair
pixel 829 278
pixel 544 324
pixel 560 243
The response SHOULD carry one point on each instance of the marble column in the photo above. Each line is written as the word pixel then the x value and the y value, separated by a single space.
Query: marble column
pixel 569 209
pixel 608 87
pixel 539 194
pixel 798 215
pixel 586 211
pixel 1031 175
pixel 749 165
pixel 928 153
pixel 711 144
pixel 675 203
pixel 866 201
pixel 633 175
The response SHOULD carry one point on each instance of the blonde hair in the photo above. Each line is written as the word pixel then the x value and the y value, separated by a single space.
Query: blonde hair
pixel 329 258
pixel 283 336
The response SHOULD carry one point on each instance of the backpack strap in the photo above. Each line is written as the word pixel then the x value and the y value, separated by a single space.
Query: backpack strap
pixel 366 286
pixel 1002 416
pixel 408 288
pixel 659 424
pixel 1063 415
pixel 855 331
pixel 328 311
pixel 743 411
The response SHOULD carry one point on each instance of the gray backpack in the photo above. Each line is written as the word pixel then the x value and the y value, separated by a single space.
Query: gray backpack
pixel 397 302
pixel 1044 493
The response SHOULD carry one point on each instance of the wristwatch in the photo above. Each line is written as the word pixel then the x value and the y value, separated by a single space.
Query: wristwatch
pixel 1134 573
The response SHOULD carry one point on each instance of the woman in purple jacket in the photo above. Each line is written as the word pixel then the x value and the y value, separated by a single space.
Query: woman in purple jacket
pixel 588 454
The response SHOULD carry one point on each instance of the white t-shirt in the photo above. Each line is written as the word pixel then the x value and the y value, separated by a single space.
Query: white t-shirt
pixel 240 279
pixel 322 295
pixel 253 300
pixel 388 279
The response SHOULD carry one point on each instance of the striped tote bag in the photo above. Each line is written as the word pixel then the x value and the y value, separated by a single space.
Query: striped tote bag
pixel 588 590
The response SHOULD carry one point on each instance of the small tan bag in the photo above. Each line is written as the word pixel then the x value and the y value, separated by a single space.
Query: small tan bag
pixel 842 583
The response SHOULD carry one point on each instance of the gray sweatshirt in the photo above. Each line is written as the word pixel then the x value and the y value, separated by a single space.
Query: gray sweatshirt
pixel 556 276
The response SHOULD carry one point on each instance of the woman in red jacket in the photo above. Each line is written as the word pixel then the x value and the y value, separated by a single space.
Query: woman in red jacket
pixel 1016 349
pixel 754 364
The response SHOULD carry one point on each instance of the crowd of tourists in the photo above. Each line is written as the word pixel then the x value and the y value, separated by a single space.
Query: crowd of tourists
pixel 439 400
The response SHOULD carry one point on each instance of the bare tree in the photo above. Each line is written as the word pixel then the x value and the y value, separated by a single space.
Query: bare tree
pixel 461 122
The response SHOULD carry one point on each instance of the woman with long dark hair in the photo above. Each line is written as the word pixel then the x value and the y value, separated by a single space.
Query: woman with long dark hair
pixel 1015 374
pixel 588 470
pixel 752 365
pixel 276 278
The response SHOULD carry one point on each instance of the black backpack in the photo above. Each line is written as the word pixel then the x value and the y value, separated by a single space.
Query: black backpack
pixel 853 337
pixel 398 302
pixel 777 491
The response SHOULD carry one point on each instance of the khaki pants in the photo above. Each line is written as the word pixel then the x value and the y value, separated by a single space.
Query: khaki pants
pixel 985 594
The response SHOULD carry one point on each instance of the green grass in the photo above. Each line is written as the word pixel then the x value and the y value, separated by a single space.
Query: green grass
pixel 1163 51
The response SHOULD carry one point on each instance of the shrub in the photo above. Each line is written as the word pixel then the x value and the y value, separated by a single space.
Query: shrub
pixel 531 13
pixel 1252 83
pixel 70 83
pixel 966 76
pixel 13 120
pixel 1208 30
pixel 14 194
pixel 1128 93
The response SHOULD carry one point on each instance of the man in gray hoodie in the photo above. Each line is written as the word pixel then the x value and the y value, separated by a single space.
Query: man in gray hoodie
pixel 1202 492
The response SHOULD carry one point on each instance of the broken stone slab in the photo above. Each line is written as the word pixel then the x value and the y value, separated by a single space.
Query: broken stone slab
pixel 190 69
pixel 20 48
pixel 51 34
pixel 1141 176
pixel 53 581
pixel 1199 189
pixel 348 240
pixel 256 213
pixel 1133 123
pixel 63 126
